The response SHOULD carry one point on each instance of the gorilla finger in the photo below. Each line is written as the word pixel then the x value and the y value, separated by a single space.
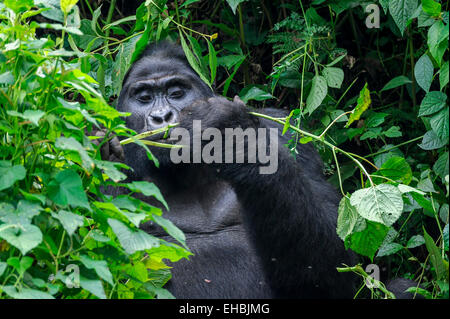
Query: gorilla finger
pixel 117 149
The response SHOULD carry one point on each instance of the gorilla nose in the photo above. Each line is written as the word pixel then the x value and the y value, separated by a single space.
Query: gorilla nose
pixel 162 117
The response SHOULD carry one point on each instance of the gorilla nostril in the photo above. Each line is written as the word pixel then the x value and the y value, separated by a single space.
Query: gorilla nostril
pixel 168 117
pixel 157 119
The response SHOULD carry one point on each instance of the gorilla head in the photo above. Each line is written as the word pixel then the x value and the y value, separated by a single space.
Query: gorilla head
pixel 155 89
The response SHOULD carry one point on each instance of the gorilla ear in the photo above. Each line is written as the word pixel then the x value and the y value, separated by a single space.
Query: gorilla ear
pixel 238 100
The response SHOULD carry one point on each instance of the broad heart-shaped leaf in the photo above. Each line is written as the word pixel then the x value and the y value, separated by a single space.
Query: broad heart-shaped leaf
pixel 100 267
pixel 439 124
pixel 69 220
pixel 66 188
pixel 318 92
pixel 254 93
pixel 433 102
pixel 397 169
pixel 401 11
pixel 363 103
pixel 431 141
pixel 233 4
pixel 334 76
pixel 10 174
pixel 423 72
pixel 396 82
pixel 24 237
pixel 382 203
pixel 132 240
pixel 26 293
pixel 367 241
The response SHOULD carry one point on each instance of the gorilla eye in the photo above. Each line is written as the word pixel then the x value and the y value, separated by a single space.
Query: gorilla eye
pixel 175 93
pixel 144 97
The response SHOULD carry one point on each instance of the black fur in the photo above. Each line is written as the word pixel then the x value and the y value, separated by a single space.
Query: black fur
pixel 253 235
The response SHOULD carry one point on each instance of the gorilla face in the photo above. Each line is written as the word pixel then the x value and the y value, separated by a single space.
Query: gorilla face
pixel 156 88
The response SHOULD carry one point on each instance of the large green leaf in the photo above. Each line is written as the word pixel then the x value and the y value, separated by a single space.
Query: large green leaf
pixel 396 82
pixel 132 240
pixel 382 203
pixel 348 220
pixel 431 141
pixel 69 220
pixel 26 293
pixel 71 144
pixel 10 174
pixel 401 11
pixel 100 267
pixel 423 72
pixel 436 259
pixel 439 124
pixel 438 40
pixel 397 169
pixel 66 188
pixel 318 92
pixel 334 76
pixel 148 189
pixel 433 102
pixel 367 241
pixel 22 236
pixel 362 105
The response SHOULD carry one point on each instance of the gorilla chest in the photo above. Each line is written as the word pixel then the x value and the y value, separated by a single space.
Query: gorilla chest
pixel 224 264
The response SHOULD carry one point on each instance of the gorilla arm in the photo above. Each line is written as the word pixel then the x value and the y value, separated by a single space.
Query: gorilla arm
pixel 290 215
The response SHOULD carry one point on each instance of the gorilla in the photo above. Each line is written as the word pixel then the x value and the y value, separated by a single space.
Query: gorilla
pixel 253 235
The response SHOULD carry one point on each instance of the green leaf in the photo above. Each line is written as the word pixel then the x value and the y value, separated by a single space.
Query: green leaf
pixel 431 141
pixel 401 11
pixel 415 241
pixel 25 293
pixel 433 102
pixel 361 106
pixel 393 131
pixel 368 241
pixel 438 40
pixel 148 189
pixel 67 5
pixel 72 144
pixel 30 115
pixel 443 75
pixel 396 82
pixel 441 166
pixel 100 267
pixel 348 219
pixel 95 287
pixel 254 93
pixel 22 236
pixel 431 7
pixel 69 220
pixel 382 203
pixel 389 249
pixel 423 72
pixel 10 174
pixel 397 169
pixel 3 266
pixel 318 92
pixel 193 62
pixel 439 124
pixel 233 4
pixel 375 119
pixel 334 76
pixel 111 169
pixel 66 188
pixel 423 202
pixel 436 258
pixel 19 6
pixel 170 228
pixel 132 240
pixel 212 61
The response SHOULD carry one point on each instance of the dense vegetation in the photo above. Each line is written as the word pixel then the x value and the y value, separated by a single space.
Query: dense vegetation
pixel 371 97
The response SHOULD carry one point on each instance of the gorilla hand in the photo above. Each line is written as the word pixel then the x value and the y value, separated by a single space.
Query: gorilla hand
pixel 111 150
pixel 218 112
